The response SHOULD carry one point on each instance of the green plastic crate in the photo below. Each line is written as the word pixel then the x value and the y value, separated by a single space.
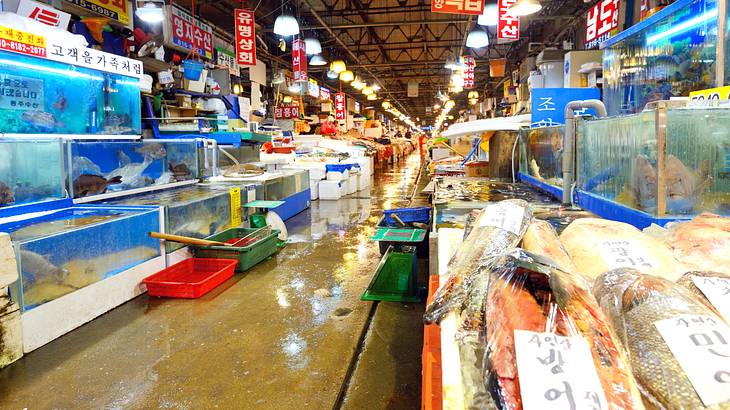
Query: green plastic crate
pixel 248 256
pixel 395 278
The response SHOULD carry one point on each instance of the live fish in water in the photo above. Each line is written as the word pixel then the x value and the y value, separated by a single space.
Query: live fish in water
pixel 117 124
pixel 42 120
pixel 180 172
pixel 153 151
pixel 130 171
pixel 87 184
pixel 29 193
pixel 633 302
pixel 83 165
pixel 61 103
pixel 37 267
pixel 683 186
pixel 6 194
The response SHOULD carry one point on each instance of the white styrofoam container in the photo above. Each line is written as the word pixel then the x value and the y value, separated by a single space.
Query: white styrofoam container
pixel 337 176
pixel 363 182
pixel 345 184
pixel 330 190
pixel 313 189
pixel 352 183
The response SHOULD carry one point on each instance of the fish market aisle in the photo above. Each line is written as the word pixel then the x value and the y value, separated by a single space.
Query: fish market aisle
pixel 279 336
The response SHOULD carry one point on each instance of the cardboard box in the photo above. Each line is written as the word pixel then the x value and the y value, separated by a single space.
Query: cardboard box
pixel 477 169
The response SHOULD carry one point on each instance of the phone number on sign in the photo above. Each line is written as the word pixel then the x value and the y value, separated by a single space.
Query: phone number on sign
pixel 22 48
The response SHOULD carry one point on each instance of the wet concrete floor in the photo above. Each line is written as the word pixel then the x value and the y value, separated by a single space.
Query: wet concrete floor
pixel 280 336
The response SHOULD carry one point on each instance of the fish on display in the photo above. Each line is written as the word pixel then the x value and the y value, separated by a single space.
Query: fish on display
pixel 633 302
pixel 37 267
pixel 83 165
pixel 6 194
pixel 128 170
pixel 139 181
pixel 42 120
pixel 117 124
pixel 153 151
pixel 61 103
pixel 87 184
pixel 683 185
pixel 180 172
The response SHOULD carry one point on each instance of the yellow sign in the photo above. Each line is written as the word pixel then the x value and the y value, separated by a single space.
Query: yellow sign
pixel 21 42
pixel 236 214
pixel 710 97
pixel 113 9
pixel 507 85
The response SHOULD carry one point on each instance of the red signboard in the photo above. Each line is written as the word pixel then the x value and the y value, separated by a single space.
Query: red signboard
pixel 475 7
pixel 340 106
pixel 508 28
pixel 190 33
pixel 601 21
pixel 299 60
pixel 245 37
pixel 469 72
pixel 286 112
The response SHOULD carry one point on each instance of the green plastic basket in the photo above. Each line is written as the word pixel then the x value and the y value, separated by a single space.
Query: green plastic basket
pixel 395 278
pixel 247 256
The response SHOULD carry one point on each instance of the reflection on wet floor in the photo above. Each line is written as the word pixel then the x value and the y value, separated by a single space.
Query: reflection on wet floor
pixel 279 336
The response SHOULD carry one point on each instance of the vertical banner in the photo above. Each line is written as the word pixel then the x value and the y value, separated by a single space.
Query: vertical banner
pixel 601 22
pixel 245 37
pixel 475 7
pixel 471 64
pixel 299 60
pixel 508 26
pixel 340 106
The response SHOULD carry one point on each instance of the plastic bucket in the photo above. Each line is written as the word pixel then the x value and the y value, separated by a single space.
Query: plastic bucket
pixel 192 70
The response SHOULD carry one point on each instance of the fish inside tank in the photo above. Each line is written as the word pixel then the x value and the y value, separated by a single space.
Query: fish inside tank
pixel 543 148
pixel 113 166
pixel 23 179
pixel 40 96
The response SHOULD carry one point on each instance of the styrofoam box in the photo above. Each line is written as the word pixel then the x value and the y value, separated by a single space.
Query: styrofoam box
pixel 363 182
pixel 345 186
pixel 330 190
pixel 313 189
pixel 337 176
pixel 352 183
pixel 316 171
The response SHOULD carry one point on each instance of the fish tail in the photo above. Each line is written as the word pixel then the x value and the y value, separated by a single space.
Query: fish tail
pixel 116 180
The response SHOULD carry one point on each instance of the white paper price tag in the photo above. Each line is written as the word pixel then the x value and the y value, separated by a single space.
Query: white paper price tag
pixel 165 77
pixel 557 372
pixel 701 345
pixel 717 291
pixel 625 253
pixel 506 216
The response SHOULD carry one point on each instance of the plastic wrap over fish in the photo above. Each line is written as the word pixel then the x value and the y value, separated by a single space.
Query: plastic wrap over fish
pixel 499 228
pixel 712 288
pixel 639 307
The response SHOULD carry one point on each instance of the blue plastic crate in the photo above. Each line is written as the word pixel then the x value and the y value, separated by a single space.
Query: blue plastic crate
pixel 407 215
pixel 337 167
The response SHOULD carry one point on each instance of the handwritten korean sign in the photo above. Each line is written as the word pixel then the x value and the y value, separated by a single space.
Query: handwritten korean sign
pixel 548 104
pixel 188 32
pixel 18 92
pixel 299 60
pixel 701 345
pixel 508 26
pixel 507 217
pixel 286 112
pixel 625 253
pixel 113 9
pixel 475 7
pixel 601 22
pixel 717 291
pixel 470 63
pixel 245 37
pixel 340 113
pixel 557 372
pixel 21 42
pixel 313 88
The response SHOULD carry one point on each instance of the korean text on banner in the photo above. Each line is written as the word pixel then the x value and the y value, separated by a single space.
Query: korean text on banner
pixel 475 7
pixel 299 60
pixel 508 26
pixel 245 37
pixel 21 42
pixel 188 32
pixel 548 104
pixel 340 106
pixel 324 94
pixel 113 9
pixel 286 112
pixel 471 64
pixel 601 22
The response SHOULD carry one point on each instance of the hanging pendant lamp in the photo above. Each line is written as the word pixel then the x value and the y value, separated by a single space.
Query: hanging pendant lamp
pixel 317 60
pixel 347 76
pixel 338 66
pixel 525 8
pixel 477 38
pixel 286 25
pixel 313 46
pixel 490 16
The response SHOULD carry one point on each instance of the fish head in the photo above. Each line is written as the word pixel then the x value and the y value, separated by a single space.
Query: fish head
pixel 643 179
pixel 681 181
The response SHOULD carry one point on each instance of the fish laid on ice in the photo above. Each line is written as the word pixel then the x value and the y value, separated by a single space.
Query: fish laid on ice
pixel 598 245
pixel 499 228
pixel 633 302
pixel 6 194
pixel 42 120
pixel 37 267
pixel 87 184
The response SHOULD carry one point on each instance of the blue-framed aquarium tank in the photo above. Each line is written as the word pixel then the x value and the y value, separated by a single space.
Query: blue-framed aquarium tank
pixel 31 171
pixel 99 167
pixel 76 246
pixel 618 160
pixel 669 54
pixel 542 154
pixel 40 96
pixel 197 211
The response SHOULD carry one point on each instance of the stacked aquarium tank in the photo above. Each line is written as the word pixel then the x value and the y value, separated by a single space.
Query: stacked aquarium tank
pixel 39 96
pixel 669 54
pixel 77 246
pixel 624 164
pixel 22 179
pixel 542 154
pixel 99 167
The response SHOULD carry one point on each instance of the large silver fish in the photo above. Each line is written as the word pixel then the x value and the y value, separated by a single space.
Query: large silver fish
pixel 40 119
pixel 38 267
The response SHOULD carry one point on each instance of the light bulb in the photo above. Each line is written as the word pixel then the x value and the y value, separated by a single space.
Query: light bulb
pixel 338 66
pixel 286 25
pixel 347 76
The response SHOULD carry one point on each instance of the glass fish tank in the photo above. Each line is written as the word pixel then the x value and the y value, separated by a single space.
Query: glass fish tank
pixel 542 155
pixel 39 96
pixel 669 54
pixel 99 167
pixel 197 211
pixel 22 180
pixel 77 246
pixel 617 160
pixel 276 186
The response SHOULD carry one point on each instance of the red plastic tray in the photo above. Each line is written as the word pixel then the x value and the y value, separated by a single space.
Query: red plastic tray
pixel 191 278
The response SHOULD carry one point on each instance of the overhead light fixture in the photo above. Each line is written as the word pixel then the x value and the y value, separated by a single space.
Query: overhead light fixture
pixel 287 99
pixel 367 90
pixel 338 66
pixel 525 8
pixel 473 94
pixel 375 87
pixel 295 88
pixel 436 106
pixel 386 105
pixel 490 16
pixel 286 25
pixel 477 38
pixel 237 89
pixel 455 64
pixel 150 12
pixel 457 80
pixel 357 84
pixel 317 60
pixel 332 75
pixel 347 76
pixel 372 97
pixel 312 45
pixel 473 101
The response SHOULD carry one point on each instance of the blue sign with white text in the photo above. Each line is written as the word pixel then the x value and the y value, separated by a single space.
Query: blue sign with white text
pixel 548 104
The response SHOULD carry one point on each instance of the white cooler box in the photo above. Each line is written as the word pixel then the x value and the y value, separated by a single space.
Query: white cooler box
pixel 330 190
pixel 363 182
pixel 314 189
pixel 352 183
